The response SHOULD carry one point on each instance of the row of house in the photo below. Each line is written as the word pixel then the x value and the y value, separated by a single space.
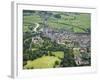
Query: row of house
pixel 82 39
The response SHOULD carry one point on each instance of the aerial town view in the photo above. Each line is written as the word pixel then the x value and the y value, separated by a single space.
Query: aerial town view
pixel 54 39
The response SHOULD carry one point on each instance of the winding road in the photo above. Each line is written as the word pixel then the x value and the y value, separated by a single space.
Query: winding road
pixel 37 25
pixel 35 30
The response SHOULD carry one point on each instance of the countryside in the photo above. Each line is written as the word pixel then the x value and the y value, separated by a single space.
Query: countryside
pixel 54 39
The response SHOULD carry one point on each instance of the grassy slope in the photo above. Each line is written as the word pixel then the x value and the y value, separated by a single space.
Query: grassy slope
pixel 43 62
pixel 81 21
pixel 66 22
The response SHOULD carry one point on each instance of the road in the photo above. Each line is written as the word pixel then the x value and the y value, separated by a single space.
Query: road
pixel 37 25
pixel 35 29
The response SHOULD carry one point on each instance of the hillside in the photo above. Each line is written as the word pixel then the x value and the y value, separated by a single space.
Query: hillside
pixel 76 22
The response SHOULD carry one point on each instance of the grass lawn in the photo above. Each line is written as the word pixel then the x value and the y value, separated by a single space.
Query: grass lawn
pixel 43 62
pixel 58 54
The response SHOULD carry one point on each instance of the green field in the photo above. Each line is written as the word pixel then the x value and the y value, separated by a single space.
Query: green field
pixel 43 62
pixel 76 22
pixel 49 38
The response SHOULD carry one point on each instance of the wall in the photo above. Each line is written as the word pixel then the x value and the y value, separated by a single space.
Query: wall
pixel 5 38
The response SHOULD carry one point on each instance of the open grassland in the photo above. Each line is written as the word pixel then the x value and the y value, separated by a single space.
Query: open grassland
pixel 75 22
pixel 42 62
pixel 41 51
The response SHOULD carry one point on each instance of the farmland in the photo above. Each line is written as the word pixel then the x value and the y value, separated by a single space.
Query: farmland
pixel 43 62
pixel 78 21
pixel 56 39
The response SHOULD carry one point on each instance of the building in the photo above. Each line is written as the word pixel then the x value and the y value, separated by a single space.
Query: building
pixel 37 39
pixel 82 39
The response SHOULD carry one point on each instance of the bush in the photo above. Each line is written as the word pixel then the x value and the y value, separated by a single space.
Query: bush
pixel 56 62
pixel 24 63
pixel 57 16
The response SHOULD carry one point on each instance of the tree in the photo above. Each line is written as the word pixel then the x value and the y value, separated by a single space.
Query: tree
pixel 28 12
pixel 58 16
pixel 68 60
pixel 24 63
pixel 88 30
pixel 56 62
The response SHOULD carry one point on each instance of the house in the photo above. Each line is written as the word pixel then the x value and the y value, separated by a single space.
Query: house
pixel 82 39
pixel 37 39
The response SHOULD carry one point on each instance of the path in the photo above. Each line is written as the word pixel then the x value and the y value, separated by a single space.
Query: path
pixel 37 25
pixel 35 29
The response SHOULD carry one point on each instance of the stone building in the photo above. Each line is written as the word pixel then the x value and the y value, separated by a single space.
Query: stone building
pixel 82 39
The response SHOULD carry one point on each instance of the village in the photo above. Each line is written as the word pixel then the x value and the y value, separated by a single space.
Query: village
pixel 78 41
pixel 56 39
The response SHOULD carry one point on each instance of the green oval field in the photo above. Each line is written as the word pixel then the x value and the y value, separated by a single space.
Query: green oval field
pixel 43 62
